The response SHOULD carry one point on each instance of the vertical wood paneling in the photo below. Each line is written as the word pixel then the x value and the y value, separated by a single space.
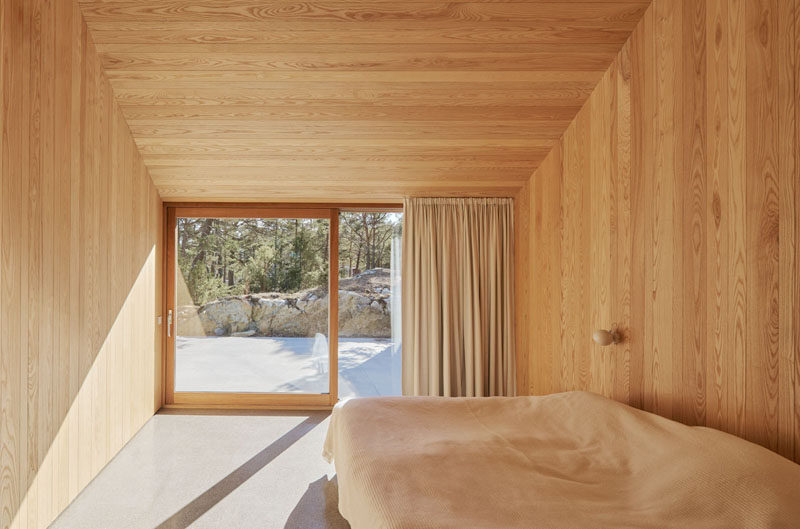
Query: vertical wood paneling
pixel 693 198
pixel 522 222
pixel 5 463
pixel 27 167
pixel 684 160
pixel 14 157
pixel 77 283
pixel 718 346
pixel 737 229
pixel 576 366
pixel 787 207
pixel 76 179
pixel 637 334
pixel 545 296
pixel 33 263
pixel 649 82
pixel 667 353
pixel 47 328
pixel 795 332
pixel 762 226
pixel 599 230
pixel 621 198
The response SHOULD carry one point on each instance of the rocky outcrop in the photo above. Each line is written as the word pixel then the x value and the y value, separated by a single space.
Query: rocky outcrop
pixel 361 315
pixel 290 316
pixel 364 311
pixel 225 316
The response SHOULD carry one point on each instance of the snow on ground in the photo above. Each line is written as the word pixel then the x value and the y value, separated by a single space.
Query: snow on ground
pixel 367 366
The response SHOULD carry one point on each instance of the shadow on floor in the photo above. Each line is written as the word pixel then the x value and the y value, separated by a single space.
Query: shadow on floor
pixel 318 508
pixel 203 503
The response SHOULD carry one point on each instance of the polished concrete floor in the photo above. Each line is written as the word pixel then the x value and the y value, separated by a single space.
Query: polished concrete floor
pixel 205 470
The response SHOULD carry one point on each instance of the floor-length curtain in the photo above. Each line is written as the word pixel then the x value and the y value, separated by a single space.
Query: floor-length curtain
pixel 457 297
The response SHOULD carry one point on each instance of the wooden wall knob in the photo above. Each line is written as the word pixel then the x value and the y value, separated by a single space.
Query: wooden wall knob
pixel 604 337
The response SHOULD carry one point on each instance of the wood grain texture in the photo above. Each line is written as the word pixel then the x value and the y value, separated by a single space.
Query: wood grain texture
pixel 522 247
pixel 79 225
pixel 795 295
pixel 718 345
pixel 684 159
pixel 545 301
pixel 787 151
pixel 229 81
pixel 283 13
pixel 762 227
pixel 693 188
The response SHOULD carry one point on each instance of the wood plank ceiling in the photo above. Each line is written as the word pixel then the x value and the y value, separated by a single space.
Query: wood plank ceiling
pixel 357 100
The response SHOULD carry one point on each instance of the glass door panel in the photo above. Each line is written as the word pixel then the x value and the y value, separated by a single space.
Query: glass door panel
pixel 251 306
pixel 369 303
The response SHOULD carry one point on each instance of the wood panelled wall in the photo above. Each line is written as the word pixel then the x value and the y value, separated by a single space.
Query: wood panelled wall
pixel 79 237
pixel 671 208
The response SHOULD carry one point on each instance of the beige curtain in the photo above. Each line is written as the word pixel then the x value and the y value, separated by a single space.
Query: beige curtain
pixel 457 297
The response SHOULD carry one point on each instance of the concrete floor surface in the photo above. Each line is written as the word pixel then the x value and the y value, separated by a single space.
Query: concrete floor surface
pixel 204 470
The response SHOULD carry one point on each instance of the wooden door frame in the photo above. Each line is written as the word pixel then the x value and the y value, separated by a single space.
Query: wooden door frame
pixel 300 401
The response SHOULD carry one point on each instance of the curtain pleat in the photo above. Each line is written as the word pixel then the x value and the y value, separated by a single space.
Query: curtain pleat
pixel 458 297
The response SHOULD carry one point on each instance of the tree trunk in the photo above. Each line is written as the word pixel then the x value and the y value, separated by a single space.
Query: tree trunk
pixel 205 231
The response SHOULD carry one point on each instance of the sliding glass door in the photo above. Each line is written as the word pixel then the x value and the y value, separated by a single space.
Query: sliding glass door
pixel 369 303
pixel 249 299
pixel 281 307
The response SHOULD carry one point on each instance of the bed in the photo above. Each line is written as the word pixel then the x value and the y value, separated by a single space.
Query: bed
pixel 568 460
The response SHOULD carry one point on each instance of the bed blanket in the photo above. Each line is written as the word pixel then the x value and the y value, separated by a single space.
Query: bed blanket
pixel 568 460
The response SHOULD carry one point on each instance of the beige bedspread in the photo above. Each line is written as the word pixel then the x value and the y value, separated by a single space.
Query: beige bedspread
pixel 570 460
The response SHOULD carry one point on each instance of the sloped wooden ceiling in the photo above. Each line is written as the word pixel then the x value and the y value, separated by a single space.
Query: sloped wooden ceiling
pixel 356 100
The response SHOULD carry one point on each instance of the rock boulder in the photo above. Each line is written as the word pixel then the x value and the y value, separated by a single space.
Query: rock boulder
pixel 364 311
